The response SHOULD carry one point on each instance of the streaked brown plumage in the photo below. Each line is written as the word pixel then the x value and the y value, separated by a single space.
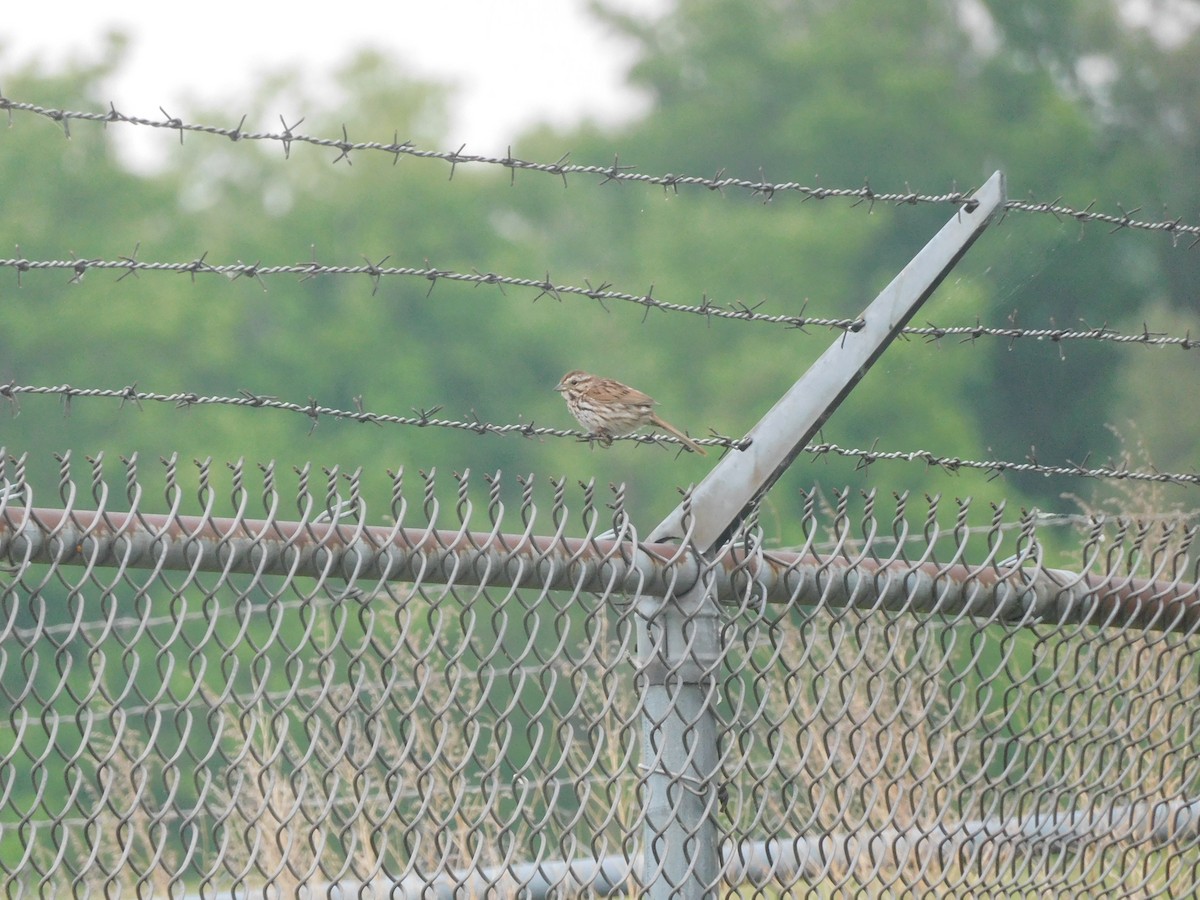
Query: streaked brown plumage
pixel 607 408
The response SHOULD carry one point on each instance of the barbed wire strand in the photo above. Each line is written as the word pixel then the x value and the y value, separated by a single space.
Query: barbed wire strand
pixel 602 293
pixel 616 172
pixel 377 271
pixel 426 418
pixel 1000 467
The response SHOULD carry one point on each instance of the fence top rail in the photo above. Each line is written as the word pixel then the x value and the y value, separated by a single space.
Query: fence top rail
pixel 1017 590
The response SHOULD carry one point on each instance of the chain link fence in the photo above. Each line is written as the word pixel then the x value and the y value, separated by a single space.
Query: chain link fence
pixel 246 682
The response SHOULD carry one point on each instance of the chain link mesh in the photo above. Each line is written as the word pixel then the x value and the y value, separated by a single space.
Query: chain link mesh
pixel 219 685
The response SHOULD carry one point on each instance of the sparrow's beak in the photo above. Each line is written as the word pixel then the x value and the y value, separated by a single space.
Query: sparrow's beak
pixel 560 387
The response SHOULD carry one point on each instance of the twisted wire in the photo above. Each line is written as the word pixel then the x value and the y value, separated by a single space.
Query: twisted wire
pixel 561 168
pixel 767 190
pixel 377 271
pixel 602 293
pixel 426 418
pixel 1000 467
pixel 422 418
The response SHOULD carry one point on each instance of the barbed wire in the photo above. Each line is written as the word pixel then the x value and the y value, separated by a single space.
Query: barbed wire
pixel 1145 337
pixel 1174 227
pixel 377 271
pixel 561 168
pixel 426 418
pixel 422 418
pixel 615 172
pixel 1000 467
pixel 602 293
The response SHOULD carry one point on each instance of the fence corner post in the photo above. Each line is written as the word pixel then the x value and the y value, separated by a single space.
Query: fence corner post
pixel 679 653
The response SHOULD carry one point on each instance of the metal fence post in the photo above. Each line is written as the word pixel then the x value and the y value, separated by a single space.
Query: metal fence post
pixel 679 651
pixel 679 637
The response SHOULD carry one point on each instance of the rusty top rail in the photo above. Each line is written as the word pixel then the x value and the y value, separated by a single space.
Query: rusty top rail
pixel 361 555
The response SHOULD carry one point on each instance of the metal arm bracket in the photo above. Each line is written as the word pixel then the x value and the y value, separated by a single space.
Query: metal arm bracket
pixel 740 479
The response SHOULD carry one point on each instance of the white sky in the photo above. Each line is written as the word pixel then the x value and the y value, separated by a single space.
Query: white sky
pixel 514 62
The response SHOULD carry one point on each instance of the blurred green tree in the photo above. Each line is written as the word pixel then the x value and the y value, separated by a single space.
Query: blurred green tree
pixel 932 93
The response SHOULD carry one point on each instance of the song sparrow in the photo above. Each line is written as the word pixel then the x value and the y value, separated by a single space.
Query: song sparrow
pixel 607 408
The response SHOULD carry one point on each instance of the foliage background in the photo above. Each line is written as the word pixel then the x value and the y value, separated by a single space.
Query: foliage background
pixel 1070 102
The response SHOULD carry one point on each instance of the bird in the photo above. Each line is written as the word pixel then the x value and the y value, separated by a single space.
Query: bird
pixel 607 408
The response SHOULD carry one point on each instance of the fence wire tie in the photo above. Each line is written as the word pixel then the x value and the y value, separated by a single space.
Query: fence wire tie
pixel 696 786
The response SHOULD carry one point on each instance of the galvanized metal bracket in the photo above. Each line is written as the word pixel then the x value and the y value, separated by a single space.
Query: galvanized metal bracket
pixel 741 478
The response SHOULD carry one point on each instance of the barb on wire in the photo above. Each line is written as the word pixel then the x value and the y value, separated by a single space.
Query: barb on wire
pixel 864 195
pixel 602 294
pixel 427 418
